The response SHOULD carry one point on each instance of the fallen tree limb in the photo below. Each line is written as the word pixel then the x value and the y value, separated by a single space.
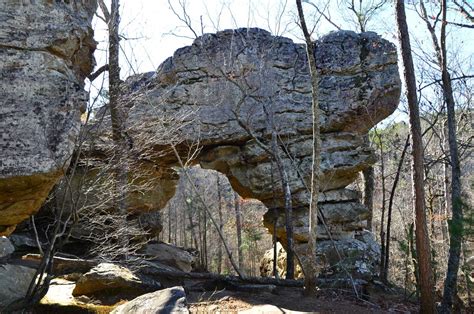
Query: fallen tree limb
pixel 235 280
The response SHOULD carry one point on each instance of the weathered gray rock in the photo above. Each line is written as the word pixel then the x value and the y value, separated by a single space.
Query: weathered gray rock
pixel 6 247
pixel 171 300
pixel 170 255
pixel 14 283
pixel 107 278
pixel 45 53
pixel 226 88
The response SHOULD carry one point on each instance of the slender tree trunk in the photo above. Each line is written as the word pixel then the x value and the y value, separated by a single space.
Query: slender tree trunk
pixel 175 228
pixel 311 271
pixel 238 224
pixel 275 248
pixel 184 222
pixel 456 228
pixel 384 201
pixel 116 116
pixel 369 187
pixel 384 274
pixel 194 238
pixel 290 255
pixel 204 240
pixel 169 224
pixel 447 184
pixel 427 304
pixel 275 224
pixel 221 226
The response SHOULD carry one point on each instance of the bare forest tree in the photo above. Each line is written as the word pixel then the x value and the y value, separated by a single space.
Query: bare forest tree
pixel 422 239
pixel 311 272
pixel 455 230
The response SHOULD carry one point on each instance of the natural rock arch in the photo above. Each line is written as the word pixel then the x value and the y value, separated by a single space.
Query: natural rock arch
pixel 220 91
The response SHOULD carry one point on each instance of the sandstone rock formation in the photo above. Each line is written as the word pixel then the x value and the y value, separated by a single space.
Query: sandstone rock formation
pixel 228 92
pixel 110 279
pixel 45 53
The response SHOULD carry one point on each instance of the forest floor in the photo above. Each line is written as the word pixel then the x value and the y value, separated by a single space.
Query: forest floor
pixel 291 300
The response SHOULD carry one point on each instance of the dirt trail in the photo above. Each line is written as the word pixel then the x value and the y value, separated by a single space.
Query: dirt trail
pixel 292 299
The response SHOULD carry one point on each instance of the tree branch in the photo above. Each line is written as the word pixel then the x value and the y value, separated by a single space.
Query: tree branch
pixel 99 71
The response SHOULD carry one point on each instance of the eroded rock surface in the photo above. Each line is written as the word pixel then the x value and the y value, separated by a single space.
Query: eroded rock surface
pixel 228 92
pixel 45 53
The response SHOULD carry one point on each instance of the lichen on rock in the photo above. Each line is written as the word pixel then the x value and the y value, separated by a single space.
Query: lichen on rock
pixel 45 53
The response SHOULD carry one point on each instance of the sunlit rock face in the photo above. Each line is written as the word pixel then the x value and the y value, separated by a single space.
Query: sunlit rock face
pixel 229 90
pixel 45 54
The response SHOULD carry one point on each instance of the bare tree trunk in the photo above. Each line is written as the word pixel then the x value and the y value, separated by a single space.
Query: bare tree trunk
pixel 311 271
pixel 169 224
pixel 427 304
pixel 204 240
pixel 369 187
pixel 116 116
pixel 221 226
pixel 184 222
pixel 191 225
pixel 175 229
pixel 238 224
pixel 290 255
pixel 384 274
pixel 200 233
pixel 275 223
pixel 382 218
pixel 447 184
pixel 456 228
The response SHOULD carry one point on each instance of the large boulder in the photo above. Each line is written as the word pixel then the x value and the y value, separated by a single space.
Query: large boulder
pixel 171 300
pixel 46 52
pixel 108 279
pixel 14 283
pixel 170 255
